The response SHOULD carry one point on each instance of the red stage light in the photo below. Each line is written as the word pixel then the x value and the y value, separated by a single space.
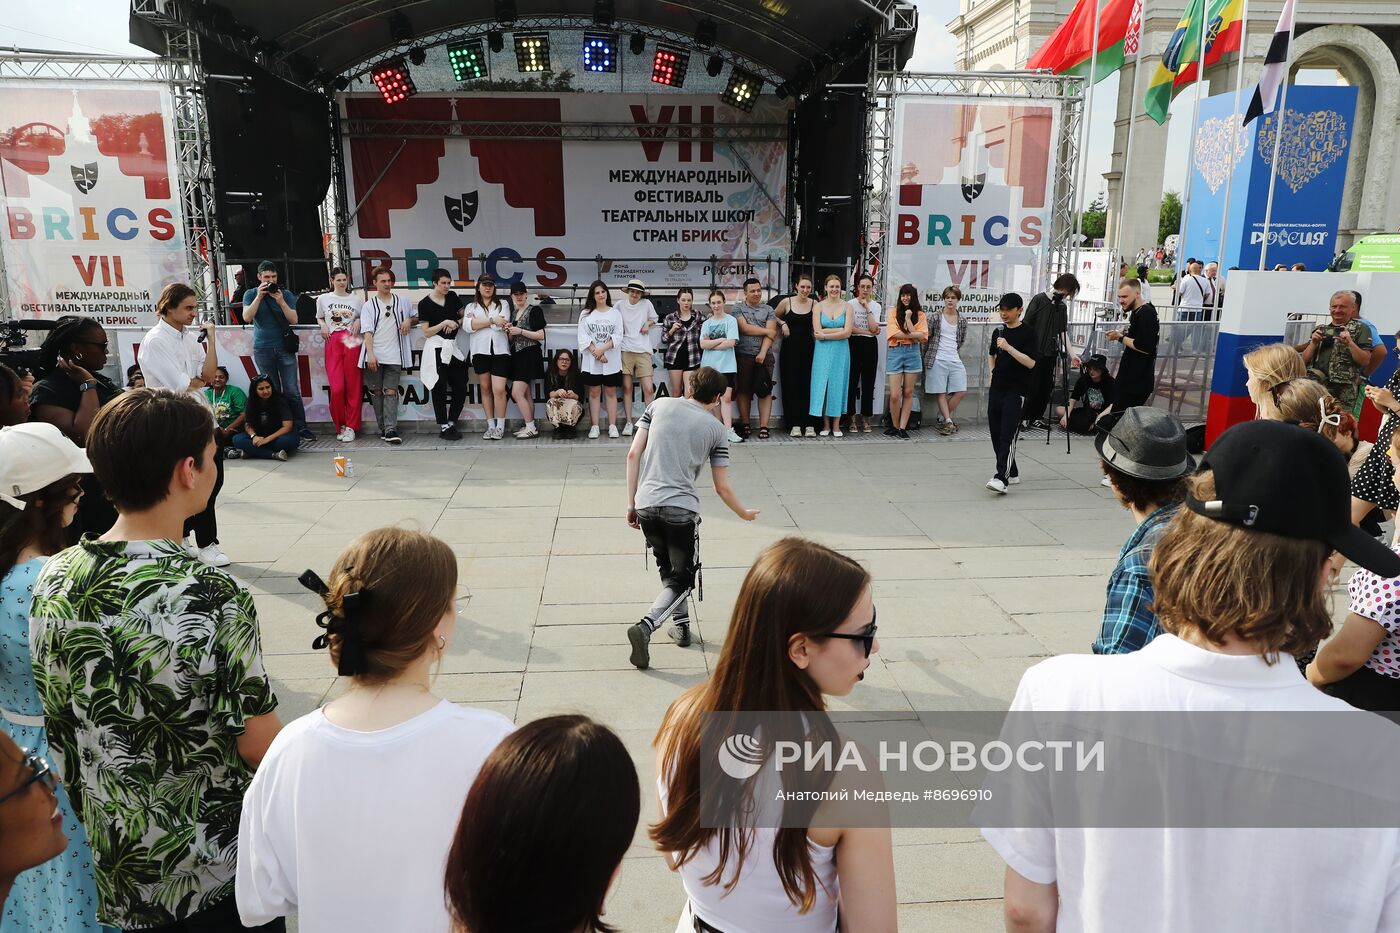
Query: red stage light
pixel 393 80
pixel 669 66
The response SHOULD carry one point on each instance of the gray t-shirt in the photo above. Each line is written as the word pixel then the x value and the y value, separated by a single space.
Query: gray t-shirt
pixel 758 317
pixel 682 435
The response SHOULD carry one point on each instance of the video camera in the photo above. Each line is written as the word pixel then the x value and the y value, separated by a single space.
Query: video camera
pixel 14 341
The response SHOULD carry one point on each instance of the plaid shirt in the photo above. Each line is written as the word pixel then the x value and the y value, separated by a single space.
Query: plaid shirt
pixel 1128 620
pixel 688 336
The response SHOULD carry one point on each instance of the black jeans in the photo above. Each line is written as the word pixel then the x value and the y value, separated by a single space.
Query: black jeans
pixel 1004 419
pixel 450 392
pixel 865 356
pixel 205 525
pixel 220 918
pixel 670 533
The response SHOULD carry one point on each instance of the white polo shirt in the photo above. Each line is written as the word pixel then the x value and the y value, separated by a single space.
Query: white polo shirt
pixel 1110 880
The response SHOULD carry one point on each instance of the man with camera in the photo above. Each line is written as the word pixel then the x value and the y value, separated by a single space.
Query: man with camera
pixel 1338 353
pixel 272 310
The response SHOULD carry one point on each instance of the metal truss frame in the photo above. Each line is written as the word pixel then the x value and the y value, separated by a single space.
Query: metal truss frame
pixel 887 85
pixel 593 132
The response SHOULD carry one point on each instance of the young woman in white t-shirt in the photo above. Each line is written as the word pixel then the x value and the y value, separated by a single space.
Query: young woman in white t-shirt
pixel 338 313
pixel 600 353
pixel 803 629
pixel 350 816
pixel 487 318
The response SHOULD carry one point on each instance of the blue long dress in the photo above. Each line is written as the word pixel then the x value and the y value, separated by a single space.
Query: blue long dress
pixel 59 895
pixel 831 372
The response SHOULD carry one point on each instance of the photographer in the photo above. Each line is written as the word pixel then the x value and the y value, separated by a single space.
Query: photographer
pixel 1338 353
pixel 1048 316
pixel 274 344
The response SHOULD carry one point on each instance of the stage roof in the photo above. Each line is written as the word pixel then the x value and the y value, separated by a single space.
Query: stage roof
pixel 342 36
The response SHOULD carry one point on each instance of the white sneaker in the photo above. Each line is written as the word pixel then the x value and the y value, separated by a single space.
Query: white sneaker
pixel 734 438
pixel 191 547
pixel 486 435
pixel 996 486
pixel 612 431
pixel 1014 481
pixel 527 432
pixel 811 432
pixel 214 556
pixel 627 429
pixel 496 434
pixel 349 434
pixel 837 434
pixel 593 433
pixel 795 432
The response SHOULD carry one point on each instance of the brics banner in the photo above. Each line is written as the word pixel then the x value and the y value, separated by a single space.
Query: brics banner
pixel 656 203
pixel 973 191
pixel 89 191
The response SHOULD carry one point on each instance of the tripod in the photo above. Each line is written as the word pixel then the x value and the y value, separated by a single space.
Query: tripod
pixel 1062 359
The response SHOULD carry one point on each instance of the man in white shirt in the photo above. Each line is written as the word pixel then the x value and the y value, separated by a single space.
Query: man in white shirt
pixel 1194 292
pixel 171 358
pixel 1264 515
pixel 638 314
pixel 385 322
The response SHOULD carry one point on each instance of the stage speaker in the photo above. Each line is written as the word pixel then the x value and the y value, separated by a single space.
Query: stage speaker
pixel 829 178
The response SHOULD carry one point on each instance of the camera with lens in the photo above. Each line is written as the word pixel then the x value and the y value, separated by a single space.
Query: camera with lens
pixel 1329 334
pixel 14 352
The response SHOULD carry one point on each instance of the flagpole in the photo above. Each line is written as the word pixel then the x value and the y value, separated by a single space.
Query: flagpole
pixel 1191 155
pixel 1278 141
pixel 1083 150
pixel 1132 119
pixel 1232 148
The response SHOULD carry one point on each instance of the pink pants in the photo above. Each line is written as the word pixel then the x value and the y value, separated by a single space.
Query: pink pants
pixel 343 373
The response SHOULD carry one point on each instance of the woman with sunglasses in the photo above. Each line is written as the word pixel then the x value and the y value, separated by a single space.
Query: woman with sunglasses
pixel 69 391
pixel 803 629
pixel 31 834
pixel 39 471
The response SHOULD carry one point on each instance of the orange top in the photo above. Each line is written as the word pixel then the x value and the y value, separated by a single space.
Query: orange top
pixel 903 338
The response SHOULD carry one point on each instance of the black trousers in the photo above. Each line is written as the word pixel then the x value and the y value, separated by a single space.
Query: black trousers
pixel 1004 419
pixel 670 533
pixel 219 918
pixel 1365 689
pixel 1042 385
pixel 865 357
pixel 205 525
pixel 450 391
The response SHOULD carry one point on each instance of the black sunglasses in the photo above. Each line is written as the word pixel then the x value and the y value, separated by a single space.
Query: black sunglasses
pixel 40 770
pixel 867 637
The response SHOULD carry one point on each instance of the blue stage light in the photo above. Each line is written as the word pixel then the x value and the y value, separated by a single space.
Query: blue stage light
pixel 600 51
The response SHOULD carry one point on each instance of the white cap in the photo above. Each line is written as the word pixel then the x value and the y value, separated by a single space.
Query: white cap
pixel 32 456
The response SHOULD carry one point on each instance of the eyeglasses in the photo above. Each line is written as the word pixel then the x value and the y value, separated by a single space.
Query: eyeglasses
pixel 866 637
pixel 40 770
pixel 95 343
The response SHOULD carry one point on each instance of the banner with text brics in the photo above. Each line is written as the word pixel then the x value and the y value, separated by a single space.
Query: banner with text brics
pixel 973 182
pixel 90 196
pixel 656 203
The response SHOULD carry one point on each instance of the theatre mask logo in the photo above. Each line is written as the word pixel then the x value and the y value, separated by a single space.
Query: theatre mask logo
pixel 461 211
pixel 85 177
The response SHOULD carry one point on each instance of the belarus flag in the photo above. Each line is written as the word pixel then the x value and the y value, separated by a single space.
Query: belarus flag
pixel 1070 48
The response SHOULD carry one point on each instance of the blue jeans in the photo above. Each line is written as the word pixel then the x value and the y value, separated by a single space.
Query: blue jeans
pixel 288 442
pixel 281 367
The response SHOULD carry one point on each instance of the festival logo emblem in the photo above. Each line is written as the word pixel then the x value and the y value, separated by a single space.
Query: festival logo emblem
pixel 1311 143
pixel 461 211
pixel 1214 158
pixel 85 177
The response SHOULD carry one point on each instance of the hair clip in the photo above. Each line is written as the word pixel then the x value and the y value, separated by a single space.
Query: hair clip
pixel 352 653
pixel 1326 419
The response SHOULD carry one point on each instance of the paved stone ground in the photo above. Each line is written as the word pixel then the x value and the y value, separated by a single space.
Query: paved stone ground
pixel 972 589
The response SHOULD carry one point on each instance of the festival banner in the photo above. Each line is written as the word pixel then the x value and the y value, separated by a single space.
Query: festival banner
pixel 543 210
pixel 972 198
pixel 90 196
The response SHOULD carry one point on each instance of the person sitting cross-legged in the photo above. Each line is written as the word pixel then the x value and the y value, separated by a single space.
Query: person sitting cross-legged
pixel 267 425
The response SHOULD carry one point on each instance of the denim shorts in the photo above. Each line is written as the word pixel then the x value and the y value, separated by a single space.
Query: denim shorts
pixel 945 377
pixel 908 358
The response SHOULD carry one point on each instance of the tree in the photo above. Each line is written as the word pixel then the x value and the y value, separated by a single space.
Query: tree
pixel 1095 219
pixel 1170 218
pixel 545 81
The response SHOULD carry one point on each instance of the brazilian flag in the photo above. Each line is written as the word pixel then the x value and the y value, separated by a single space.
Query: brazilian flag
pixel 1183 49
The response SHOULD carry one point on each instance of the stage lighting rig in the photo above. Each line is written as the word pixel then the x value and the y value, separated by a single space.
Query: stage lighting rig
pixel 600 51
pixel 417 55
pixel 669 65
pixel 714 65
pixel 496 40
pixel 532 52
pixel 468 61
pixel 638 43
pixel 706 32
pixel 505 12
pixel 742 90
pixel 393 80
pixel 400 27
pixel 604 12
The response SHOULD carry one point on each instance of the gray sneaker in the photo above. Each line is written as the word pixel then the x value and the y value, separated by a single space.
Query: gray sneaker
pixel 680 634
pixel 640 637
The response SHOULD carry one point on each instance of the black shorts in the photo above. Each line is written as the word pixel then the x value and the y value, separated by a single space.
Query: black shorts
pixel 603 379
pixel 683 361
pixel 731 379
pixel 495 364
pixel 526 365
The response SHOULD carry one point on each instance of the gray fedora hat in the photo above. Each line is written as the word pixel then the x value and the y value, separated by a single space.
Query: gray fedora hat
pixel 1146 443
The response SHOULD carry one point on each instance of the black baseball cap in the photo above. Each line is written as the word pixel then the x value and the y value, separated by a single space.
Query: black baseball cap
pixel 1286 480
pixel 519 288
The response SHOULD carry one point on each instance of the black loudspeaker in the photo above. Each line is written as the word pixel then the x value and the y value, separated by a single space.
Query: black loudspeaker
pixel 271 148
pixel 830 172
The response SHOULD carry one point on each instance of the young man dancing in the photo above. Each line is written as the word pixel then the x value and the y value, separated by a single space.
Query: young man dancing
pixel 662 501
pixel 1011 359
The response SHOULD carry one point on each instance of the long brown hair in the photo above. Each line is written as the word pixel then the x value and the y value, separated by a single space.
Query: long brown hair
pixel 172 296
pixel 40 523
pixel 796 586
pixel 914 306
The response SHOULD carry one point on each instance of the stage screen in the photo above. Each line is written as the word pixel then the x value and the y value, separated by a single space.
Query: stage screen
pixel 541 209
pixel 973 184
pixel 89 188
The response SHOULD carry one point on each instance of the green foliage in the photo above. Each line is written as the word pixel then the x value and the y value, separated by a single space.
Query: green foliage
pixel 1095 219
pixel 1169 221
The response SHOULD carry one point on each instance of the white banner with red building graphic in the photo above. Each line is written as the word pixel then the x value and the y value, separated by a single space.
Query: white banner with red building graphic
pixel 88 188
pixel 656 204
pixel 973 185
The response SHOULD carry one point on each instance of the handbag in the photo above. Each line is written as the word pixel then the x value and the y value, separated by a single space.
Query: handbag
pixel 290 341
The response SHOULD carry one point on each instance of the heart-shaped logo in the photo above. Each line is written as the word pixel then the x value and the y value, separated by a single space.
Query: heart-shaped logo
pixel 1220 145
pixel 1311 143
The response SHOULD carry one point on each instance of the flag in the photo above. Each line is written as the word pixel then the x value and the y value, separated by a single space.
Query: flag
pixel 1275 67
pixel 1183 51
pixel 1070 48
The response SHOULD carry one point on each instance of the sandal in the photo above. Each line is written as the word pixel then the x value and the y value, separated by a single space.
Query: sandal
pixel 865 426
pixel 763 434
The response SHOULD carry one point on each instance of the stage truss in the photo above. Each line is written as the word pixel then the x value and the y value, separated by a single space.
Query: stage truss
pixel 887 85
